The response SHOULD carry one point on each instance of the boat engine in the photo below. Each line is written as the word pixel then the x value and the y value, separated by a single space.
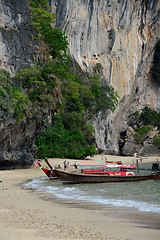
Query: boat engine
pixel 155 167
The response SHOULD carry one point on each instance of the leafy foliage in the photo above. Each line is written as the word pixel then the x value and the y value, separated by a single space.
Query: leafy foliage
pixel 43 20
pixel 140 132
pixel 143 119
pixel 12 99
pixel 39 83
pixel 156 141
pixel 147 116
pixel 61 142
pixel 88 94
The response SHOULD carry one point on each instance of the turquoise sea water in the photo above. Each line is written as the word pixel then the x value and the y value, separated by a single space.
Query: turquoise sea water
pixel 142 195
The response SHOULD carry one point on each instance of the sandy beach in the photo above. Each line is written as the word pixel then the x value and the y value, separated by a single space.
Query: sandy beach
pixel 26 214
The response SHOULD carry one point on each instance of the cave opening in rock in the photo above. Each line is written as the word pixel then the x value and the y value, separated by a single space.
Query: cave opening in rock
pixel 121 142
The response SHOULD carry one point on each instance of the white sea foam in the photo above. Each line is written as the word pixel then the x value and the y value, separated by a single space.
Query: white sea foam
pixel 85 193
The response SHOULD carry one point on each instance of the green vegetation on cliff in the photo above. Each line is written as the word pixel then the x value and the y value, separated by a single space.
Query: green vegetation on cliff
pixel 141 133
pixel 156 141
pixel 147 116
pixel 60 141
pixel 12 99
pixel 70 136
pixel 54 86
pixel 145 121
pixel 43 20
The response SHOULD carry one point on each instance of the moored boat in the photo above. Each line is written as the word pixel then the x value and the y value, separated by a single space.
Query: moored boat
pixel 74 178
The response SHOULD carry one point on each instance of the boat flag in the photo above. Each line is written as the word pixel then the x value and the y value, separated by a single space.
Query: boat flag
pixel 36 164
pixel 42 164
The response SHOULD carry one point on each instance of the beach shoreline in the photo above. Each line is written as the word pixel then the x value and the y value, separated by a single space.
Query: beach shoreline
pixel 29 214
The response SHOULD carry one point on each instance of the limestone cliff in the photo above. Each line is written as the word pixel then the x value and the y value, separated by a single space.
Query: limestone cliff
pixel 18 49
pixel 115 38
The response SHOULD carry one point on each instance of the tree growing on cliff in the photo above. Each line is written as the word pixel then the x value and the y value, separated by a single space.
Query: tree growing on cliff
pixel 43 20
pixel 12 99
pixel 70 136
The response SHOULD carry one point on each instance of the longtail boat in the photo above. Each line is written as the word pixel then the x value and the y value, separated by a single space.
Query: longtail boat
pixel 74 178
pixel 52 175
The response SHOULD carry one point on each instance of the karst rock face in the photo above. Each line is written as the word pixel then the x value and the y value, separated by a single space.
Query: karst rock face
pixel 18 49
pixel 115 38
pixel 17 140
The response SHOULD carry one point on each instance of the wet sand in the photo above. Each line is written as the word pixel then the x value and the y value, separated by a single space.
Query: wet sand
pixel 28 214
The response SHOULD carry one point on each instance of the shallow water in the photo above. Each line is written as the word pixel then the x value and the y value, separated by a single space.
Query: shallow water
pixel 142 195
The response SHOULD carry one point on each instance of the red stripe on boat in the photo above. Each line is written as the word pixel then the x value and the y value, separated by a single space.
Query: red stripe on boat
pixel 92 171
pixel 107 173
pixel 119 162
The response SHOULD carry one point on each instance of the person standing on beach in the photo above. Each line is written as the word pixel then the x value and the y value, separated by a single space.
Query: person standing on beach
pixel 59 166
pixel 68 166
pixel 65 165
pixel 75 165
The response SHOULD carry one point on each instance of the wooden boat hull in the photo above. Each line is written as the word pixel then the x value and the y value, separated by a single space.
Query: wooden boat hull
pixel 73 178
pixel 50 174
